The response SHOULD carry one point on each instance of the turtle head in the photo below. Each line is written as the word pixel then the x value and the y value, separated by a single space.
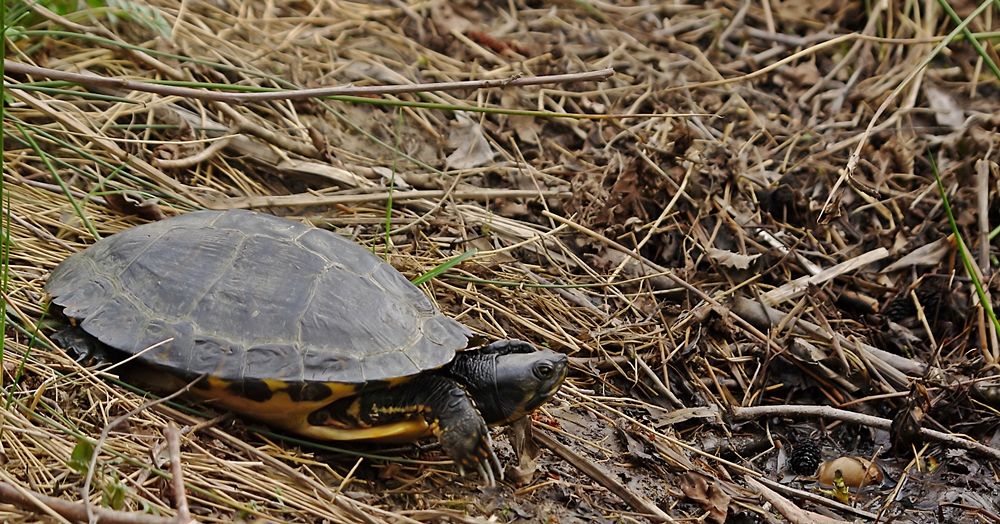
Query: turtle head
pixel 509 379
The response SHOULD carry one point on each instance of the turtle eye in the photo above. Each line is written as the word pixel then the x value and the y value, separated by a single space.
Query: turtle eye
pixel 543 371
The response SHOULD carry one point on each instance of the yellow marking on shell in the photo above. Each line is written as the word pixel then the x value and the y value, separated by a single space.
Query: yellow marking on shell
pixel 416 408
pixel 404 431
pixel 353 412
pixel 275 385
pixel 280 411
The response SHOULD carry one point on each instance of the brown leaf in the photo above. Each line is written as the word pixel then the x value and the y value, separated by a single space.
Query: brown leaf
pixel 707 493
pixel 471 147
pixel 927 255
pixel 947 112
pixel 526 449
pixel 730 259
pixel 636 450
pixel 447 20
pixel 132 204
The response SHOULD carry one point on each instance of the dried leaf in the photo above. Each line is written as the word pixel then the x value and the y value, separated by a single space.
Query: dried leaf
pixel 132 204
pixel 526 127
pixel 928 255
pixel 946 111
pixel 708 414
pixel 707 493
pixel 447 20
pixel 804 74
pixel 388 177
pixel 730 259
pixel 636 449
pixel 526 449
pixel 471 147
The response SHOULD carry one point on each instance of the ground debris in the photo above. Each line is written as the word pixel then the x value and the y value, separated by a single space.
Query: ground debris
pixel 732 262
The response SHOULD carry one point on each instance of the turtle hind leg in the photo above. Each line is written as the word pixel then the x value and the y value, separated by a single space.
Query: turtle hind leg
pixel 425 403
pixel 82 346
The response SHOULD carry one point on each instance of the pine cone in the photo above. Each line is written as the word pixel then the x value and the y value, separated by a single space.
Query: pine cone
pixel 805 458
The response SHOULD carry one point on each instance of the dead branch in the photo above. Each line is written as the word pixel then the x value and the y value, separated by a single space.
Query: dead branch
pixel 300 94
pixel 180 496
pixel 864 420
pixel 310 199
pixel 75 511
pixel 788 509
pixel 85 490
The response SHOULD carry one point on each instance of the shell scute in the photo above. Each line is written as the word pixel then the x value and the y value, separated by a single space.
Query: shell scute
pixel 173 281
pixel 275 361
pixel 352 313
pixel 174 341
pixel 117 322
pixel 215 356
pixel 331 366
pixel 261 294
pixel 394 283
pixel 311 306
pixel 342 253
pixel 83 300
pixel 375 367
pixel 258 224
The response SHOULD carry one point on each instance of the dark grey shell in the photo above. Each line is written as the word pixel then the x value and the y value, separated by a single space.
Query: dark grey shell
pixel 246 295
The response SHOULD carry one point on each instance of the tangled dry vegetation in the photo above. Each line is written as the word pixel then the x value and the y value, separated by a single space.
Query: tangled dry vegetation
pixel 736 309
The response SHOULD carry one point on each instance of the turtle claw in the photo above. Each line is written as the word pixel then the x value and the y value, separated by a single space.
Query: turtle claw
pixel 493 460
pixel 486 473
pixel 485 461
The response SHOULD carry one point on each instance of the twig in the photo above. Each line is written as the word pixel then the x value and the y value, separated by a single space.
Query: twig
pixel 437 515
pixel 982 205
pixel 85 490
pixel 54 188
pixel 39 232
pixel 174 449
pixel 195 159
pixel 813 497
pixel 669 274
pixel 858 418
pixel 891 365
pixel 873 20
pixel 299 94
pixel 31 499
pixel 852 162
pixel 309 199
pixel 345 503
pixel 635 500
pixel 791 40
pixel 75 511
pixel 72 124
pixel 974 509
pixel 570 295
pixel 788 509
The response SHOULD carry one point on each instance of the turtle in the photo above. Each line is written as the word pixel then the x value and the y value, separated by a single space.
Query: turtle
pixel 300 328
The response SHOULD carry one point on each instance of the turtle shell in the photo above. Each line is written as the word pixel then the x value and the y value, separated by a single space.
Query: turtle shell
pixel 246 296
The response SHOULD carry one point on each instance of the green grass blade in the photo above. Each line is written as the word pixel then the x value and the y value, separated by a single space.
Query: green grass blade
pixel 444 267
pixel 48 163
pixel 392 180
pixel 972 40
pixel 966 258
pixel 5 225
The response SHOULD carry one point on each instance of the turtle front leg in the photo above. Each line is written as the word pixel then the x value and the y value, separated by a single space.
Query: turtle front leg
pixel 440 402
pixel 82 346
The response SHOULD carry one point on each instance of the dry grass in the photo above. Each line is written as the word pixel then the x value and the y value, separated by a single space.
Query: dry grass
pixel 720 184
